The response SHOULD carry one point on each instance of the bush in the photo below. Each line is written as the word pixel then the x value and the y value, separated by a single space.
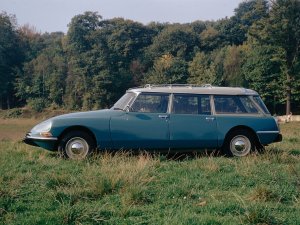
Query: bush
pixel 13 113
pixel 37 104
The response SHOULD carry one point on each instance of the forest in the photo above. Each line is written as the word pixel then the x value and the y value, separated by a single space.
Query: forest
pixel 94 63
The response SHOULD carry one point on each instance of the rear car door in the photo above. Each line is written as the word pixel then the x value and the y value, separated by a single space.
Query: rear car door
pixel 192 124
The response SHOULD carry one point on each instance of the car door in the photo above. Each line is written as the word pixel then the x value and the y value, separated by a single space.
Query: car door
pixel 192 124
pixel 145 125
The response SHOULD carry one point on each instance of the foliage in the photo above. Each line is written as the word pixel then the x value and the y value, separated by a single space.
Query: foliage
pixel 13 113
pixel 167 70
pixel 37 104
pixel 10 58
pixel 92 65
pixel 281 29
pixel 177 40
pixel 264 74
pixel 201 70
pixel 235 29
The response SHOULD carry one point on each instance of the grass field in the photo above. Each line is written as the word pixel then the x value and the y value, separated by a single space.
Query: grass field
pixel 38 187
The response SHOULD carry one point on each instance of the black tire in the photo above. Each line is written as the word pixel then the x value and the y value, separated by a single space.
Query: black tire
pixel 239 143
pixel 76 145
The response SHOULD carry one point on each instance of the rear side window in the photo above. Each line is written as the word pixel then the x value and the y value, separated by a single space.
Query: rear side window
pixel 234 104
pixel 248 104
pixel 261 104
pixel 150 103
pixel 191 104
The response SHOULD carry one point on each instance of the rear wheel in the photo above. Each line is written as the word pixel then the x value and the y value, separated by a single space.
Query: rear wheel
pixel 76 145
pixel 239 143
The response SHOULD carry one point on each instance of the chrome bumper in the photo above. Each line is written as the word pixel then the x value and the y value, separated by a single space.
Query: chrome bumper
pixel 30 140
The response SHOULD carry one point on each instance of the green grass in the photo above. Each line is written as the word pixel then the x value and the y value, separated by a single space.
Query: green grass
pixel 38 187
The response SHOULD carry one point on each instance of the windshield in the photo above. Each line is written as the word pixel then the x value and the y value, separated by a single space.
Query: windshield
pixel 124 101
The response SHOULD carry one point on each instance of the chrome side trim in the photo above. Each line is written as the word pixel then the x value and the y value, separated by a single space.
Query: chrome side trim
pixel 43 138
pixel 267 132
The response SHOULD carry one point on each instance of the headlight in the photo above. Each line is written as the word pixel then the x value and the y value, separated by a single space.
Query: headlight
pixel 42 128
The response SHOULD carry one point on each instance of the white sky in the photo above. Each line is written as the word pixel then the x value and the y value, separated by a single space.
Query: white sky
pixel 54 15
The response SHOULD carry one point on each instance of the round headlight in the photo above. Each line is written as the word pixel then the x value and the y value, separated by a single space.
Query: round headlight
pixel 42 127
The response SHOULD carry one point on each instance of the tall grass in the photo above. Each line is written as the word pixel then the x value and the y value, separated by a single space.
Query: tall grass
pixel 39 187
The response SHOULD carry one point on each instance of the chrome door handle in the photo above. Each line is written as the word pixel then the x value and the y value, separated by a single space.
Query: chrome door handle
pixel 210 118
pixel 163 116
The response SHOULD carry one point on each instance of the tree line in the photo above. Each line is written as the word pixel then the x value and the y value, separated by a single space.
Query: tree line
pixel 93 64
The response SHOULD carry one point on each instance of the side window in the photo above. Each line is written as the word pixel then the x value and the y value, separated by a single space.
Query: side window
pixel 234 104
pixel 248 104
pixel 228 104
pixel 150 103
pixel 191 104
pixel 261 104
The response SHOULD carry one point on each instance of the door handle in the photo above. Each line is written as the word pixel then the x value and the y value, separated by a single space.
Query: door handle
pixel 210 118
pixel 163 116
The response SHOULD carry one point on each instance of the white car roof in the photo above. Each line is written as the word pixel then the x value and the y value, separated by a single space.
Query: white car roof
pixel 193 89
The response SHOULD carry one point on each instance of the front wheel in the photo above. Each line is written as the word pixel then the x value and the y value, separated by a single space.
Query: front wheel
pixel 76 145
pixel 239 143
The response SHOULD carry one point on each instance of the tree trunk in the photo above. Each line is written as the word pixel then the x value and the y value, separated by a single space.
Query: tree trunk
pixel 1 105
pixel 7 101
pixel 288 94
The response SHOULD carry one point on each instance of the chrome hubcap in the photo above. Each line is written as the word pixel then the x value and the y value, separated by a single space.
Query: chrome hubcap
pixel 77 148
pixel 240 145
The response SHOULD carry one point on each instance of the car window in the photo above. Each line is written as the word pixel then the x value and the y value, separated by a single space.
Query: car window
pixel 151 103
pixel 234 104
pixel 261 104
pixel 191 104
pixel 248 104
pixel 228 104
pixel 124 101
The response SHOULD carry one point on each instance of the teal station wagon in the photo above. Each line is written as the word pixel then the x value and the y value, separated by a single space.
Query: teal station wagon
pixel 165 117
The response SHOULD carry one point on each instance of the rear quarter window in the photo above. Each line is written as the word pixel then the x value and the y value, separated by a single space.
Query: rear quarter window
pixel 234 105
pixel 261 104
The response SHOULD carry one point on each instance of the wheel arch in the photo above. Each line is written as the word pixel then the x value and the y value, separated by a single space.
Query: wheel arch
pixel 243 127
pixel 78 128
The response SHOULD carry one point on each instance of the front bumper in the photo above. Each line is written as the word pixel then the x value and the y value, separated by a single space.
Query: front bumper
pixel 49 143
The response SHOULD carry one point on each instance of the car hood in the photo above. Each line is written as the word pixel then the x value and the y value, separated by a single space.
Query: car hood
pixel 88 114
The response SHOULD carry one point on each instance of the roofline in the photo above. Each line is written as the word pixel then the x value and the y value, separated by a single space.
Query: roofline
pixel 171 86
pixel 193 89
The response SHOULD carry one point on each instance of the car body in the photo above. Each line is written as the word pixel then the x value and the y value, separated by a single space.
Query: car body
pixel 165 117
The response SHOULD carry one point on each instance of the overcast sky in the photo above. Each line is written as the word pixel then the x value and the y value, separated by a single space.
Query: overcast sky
pixel 55 15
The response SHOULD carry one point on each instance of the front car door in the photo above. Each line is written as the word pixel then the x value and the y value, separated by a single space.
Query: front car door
pixel 192 124
pixel 145 126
